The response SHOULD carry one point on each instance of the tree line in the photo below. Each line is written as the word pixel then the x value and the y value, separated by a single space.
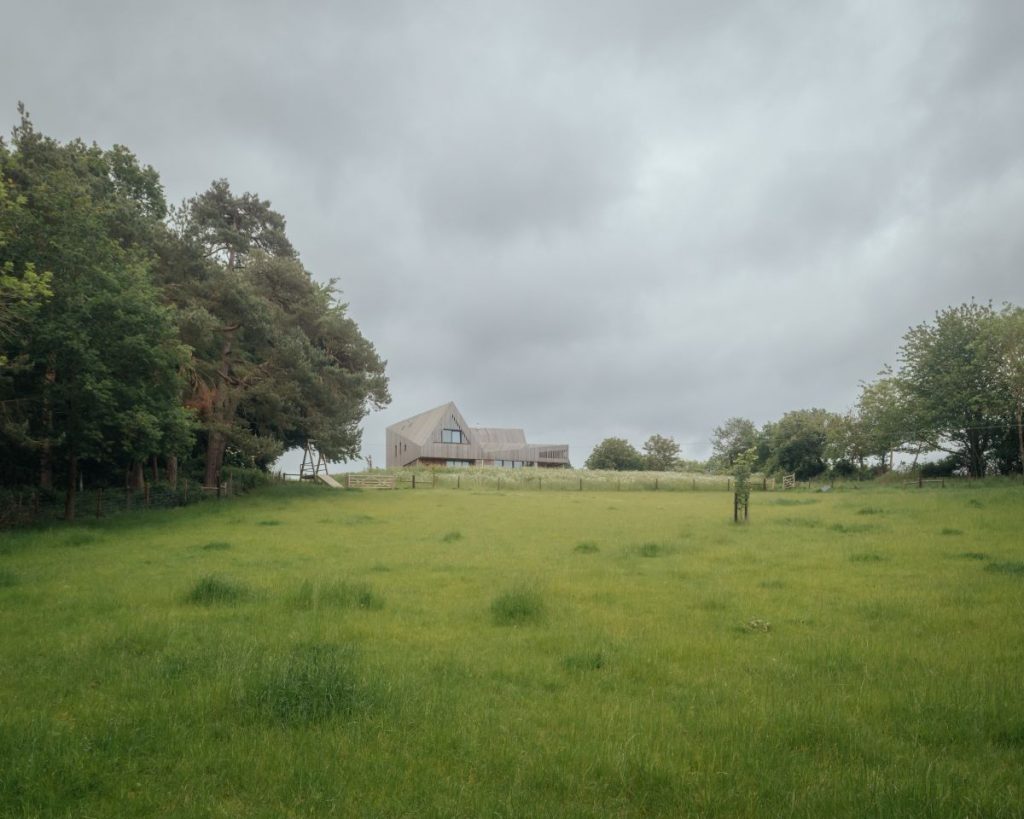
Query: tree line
pixel 957 389
pixel 138 337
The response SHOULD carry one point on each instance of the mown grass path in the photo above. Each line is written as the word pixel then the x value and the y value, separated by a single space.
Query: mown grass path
pixel 305 652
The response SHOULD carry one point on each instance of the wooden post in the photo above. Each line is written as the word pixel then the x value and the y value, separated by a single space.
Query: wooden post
pixel 581 484
pixel 728 484
pixel 655 484
pixel 619 485
pixel 458 481
pixel 413 480
pixel 920 480
pixel 539 487
pixel 694 484
pixel 433 479
pixel 186 491
pixel 99 503
pixel 764 484
pixel 145 493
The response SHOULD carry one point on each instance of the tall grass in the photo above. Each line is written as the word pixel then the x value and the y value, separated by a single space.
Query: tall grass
pixel 353 660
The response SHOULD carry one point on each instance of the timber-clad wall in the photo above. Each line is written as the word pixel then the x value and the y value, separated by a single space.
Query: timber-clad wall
pixel 420 438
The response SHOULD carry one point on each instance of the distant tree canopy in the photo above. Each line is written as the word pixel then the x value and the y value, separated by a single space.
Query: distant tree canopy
pixel 661 454
pixel 617 454
pixel 958 389
pixel 132 333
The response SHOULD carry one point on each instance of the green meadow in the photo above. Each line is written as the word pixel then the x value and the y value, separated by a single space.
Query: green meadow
pixel 309 652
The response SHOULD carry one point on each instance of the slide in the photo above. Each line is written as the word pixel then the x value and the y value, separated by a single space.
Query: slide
pixel 327 479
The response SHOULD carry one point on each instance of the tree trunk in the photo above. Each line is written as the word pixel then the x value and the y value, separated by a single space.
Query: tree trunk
pixel 46 465
pixel 46 454
pixel 215 446
pixel 222 414
pixel 136 477
pixel 154 465
pixel 1020 435
pixel 72 486
pixel 172 471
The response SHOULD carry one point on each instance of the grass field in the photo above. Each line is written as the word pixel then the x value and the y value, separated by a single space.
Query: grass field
pixel 307 652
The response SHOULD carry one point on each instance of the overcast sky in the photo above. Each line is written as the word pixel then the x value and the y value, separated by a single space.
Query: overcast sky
pixel 586 219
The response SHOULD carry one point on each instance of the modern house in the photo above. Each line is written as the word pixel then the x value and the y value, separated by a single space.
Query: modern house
pixel 441 437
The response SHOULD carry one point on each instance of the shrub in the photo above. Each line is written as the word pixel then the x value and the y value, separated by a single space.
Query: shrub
pixel 519 606
pixel 587 547
pixel 651 550
pixel 451 537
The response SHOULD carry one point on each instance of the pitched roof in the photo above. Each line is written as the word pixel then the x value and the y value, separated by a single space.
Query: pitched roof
pixel 418 428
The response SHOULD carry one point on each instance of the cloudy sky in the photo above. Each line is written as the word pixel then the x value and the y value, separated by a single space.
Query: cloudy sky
pixel 586 219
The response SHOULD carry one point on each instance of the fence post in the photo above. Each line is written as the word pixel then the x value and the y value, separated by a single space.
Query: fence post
pixel 764 484
pixel 694 484
pixel 413 480
pixel 920 481
pixel 655 484
pixel 728 484
pixel 458 481
pixel 581 484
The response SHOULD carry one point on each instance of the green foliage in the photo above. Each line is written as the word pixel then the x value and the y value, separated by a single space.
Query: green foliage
pixel 732 439
pixel 102 362
pixel 797 442
pixel 661 454
pixel 120 334
pixel 615 454
pixel 950 374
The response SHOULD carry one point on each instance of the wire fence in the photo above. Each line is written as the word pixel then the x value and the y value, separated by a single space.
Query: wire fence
pixel 562 480
pixel 27 506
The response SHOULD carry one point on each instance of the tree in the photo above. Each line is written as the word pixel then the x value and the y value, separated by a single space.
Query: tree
pixel 23 290
pixel 661 454
pixel 617 454
pixel 732 439
pixel 1006 334
pixel 950 375
pixel 276 360
pixel 100 380
pixel 797 442
pixel 885 419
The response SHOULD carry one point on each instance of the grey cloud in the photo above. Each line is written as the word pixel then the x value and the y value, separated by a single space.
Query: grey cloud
pixel 587 219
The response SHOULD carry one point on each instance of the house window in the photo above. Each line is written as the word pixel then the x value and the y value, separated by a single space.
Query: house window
pixel 457 462
pixel 452 436
pixel 509 464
